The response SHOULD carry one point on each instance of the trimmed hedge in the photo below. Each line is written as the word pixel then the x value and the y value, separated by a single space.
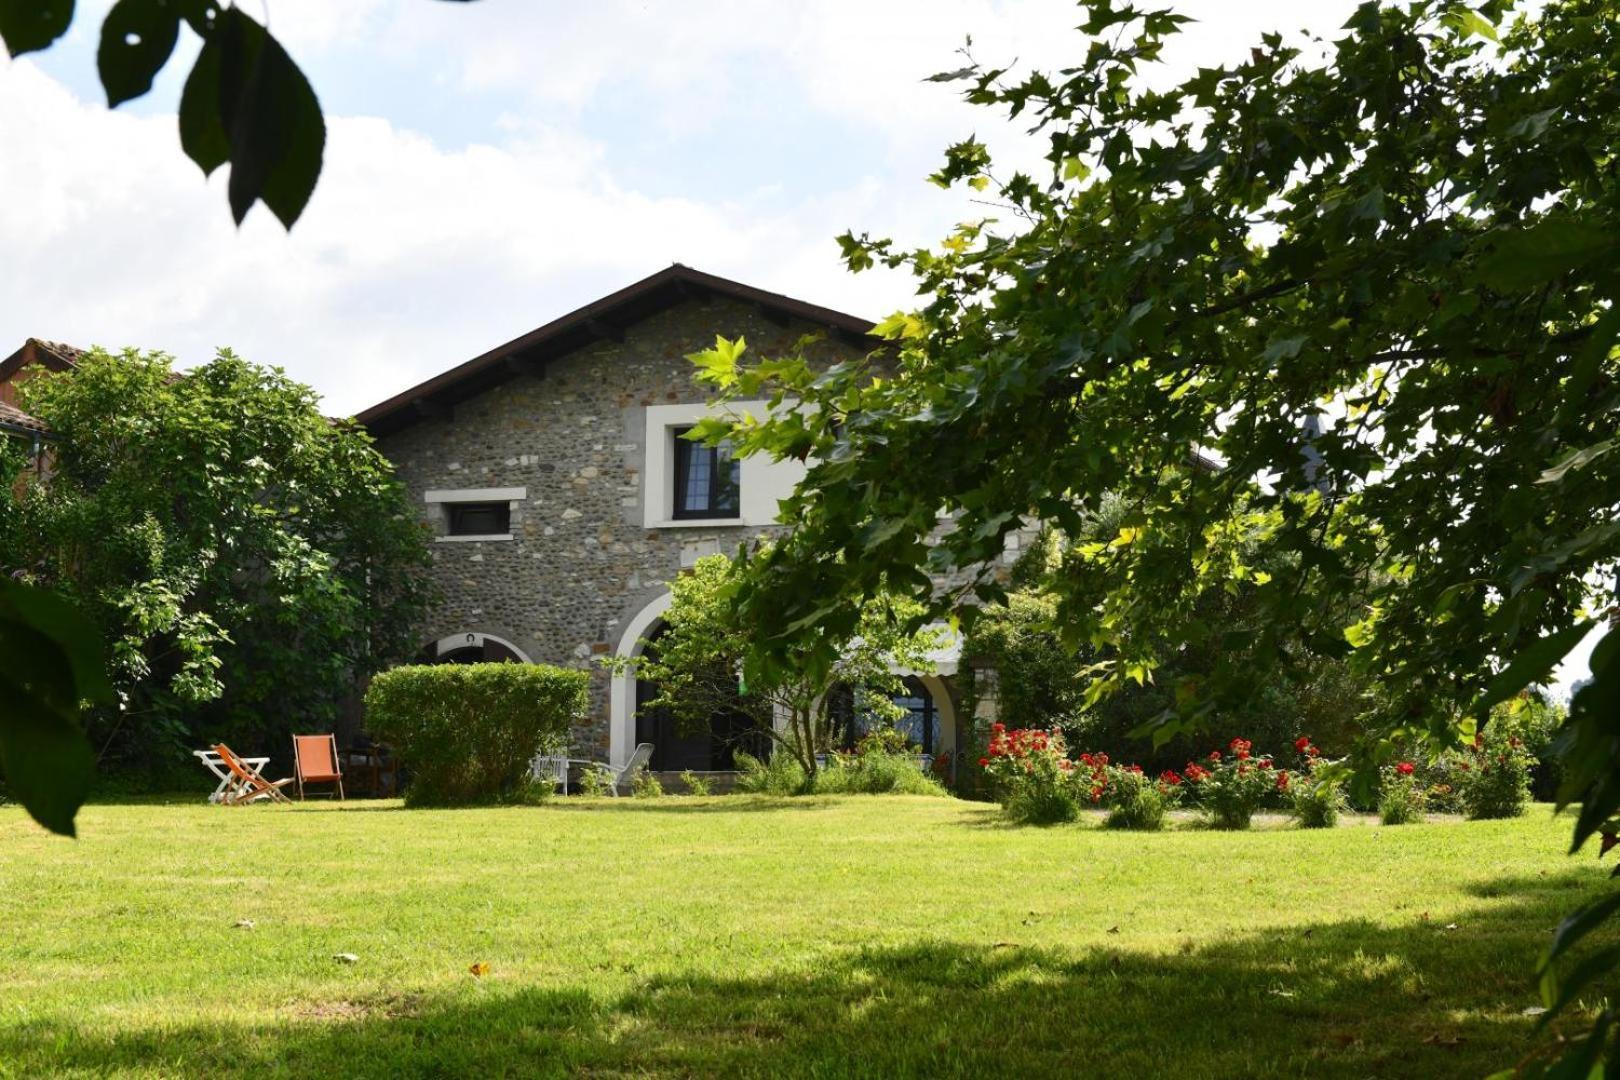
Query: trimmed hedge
pixel 467 732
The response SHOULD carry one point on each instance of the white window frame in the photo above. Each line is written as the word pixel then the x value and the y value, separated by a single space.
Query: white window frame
pixel 762 483
pixel 438 497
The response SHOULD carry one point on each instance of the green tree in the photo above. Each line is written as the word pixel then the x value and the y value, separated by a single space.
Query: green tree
pixel 1378 287
pixel 699 666
pixel 248 559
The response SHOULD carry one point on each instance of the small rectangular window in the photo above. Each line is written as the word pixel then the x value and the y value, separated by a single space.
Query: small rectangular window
pixel 479 519
pixel 707 480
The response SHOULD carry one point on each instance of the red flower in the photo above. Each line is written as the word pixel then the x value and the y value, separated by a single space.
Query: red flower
pixel 1265 763
pixel 1170 776
pixel 997 729
pixel 1282 780
pixel 1214 755
pixel 983 762
pixel 1405 768
pixel 1301 743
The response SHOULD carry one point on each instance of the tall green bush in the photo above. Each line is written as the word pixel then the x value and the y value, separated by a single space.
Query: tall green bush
pixel 467 732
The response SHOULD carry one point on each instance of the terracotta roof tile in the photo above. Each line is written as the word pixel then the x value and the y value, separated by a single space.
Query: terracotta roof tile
pixel 13 417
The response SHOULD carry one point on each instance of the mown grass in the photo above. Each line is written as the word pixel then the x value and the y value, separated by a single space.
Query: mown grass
pixel 823 936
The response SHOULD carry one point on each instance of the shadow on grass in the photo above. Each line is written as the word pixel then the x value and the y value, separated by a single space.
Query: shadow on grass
pixel 1346 998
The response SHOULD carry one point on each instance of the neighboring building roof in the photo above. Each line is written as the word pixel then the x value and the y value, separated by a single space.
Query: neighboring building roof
pixel 604 319
pixel 14 420
pixel 52 354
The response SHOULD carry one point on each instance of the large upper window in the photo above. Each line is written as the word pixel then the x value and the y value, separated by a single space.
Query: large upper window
pixel 479 519
pixel 706 480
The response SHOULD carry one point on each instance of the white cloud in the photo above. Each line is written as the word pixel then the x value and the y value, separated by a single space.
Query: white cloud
pixel 413 257
pixel 409 259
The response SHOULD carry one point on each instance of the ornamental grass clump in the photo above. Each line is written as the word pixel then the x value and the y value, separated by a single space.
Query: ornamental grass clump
pixel 1230 787
pixel 881 764
pixel 1316 794
pixel 1032 777
pixel 1401 795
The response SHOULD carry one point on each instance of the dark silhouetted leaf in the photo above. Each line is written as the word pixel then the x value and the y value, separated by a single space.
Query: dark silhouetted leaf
pixel 202 131
pixel 27 25
pixel 271 118
pixel 247 103
pixel 1532 662
pixel 50 663
pixel 137 39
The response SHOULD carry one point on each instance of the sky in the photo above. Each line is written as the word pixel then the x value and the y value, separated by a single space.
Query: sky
pixel 493 165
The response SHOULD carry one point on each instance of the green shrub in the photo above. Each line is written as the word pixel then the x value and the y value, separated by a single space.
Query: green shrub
pixel 594 783
pixel 646 785
pixel 1230 787
pixel 875 769
pixel 1401 796
pixel 1134 801
pixel 778 775
pixel 695 784
pixel 466 733
pixel 1535 721
pixel 1495 777
pixel 1316 795
pixel 1031 775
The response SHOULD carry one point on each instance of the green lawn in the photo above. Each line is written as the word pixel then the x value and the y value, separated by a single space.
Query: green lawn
pixel 848 936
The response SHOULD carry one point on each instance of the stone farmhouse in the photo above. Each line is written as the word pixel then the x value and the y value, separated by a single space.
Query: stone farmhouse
pixel 562 502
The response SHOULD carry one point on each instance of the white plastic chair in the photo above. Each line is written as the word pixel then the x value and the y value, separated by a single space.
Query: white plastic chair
pixel 548 768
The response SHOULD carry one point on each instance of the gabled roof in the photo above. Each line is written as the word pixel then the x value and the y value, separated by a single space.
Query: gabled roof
pixel 606 318
pixel 17 422
pixel 52 354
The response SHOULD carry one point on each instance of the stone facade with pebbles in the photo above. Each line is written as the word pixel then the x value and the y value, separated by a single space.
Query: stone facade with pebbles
pixel 565 438
pixel 581 563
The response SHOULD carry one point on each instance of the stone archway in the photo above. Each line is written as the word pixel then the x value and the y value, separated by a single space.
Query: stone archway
pixel 473 647
pixel 622 685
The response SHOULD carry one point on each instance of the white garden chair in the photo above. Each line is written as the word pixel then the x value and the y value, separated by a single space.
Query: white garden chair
pixel 625 774
pixel 555 769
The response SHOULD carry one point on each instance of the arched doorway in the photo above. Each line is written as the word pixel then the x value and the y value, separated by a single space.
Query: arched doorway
pixel 471 648
pixel 929 722
pixel 678 746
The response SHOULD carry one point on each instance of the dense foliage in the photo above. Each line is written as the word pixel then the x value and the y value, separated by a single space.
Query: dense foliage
pixel 1375 280
pixel 876 766
pixel 249 561
pixel 466 733
pixel 697 663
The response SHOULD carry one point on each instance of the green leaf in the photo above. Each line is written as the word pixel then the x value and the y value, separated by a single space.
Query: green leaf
pixel 1532 662
pixel 1578 924
pixel 246 102
pixel 272 119
pixel 202 127
pixel 137 39
pixel 30 25
pixel 901 324
pixel 1525 259
pixel 50 663
pixel 1577 459
pixel 1283 348
pixel 1467 23
pixel 1558 992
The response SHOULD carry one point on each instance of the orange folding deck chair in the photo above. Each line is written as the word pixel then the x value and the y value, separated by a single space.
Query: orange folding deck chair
pixel 246 784
pixel 315 761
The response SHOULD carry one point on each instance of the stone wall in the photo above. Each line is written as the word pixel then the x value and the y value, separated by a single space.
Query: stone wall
pixel 581 563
